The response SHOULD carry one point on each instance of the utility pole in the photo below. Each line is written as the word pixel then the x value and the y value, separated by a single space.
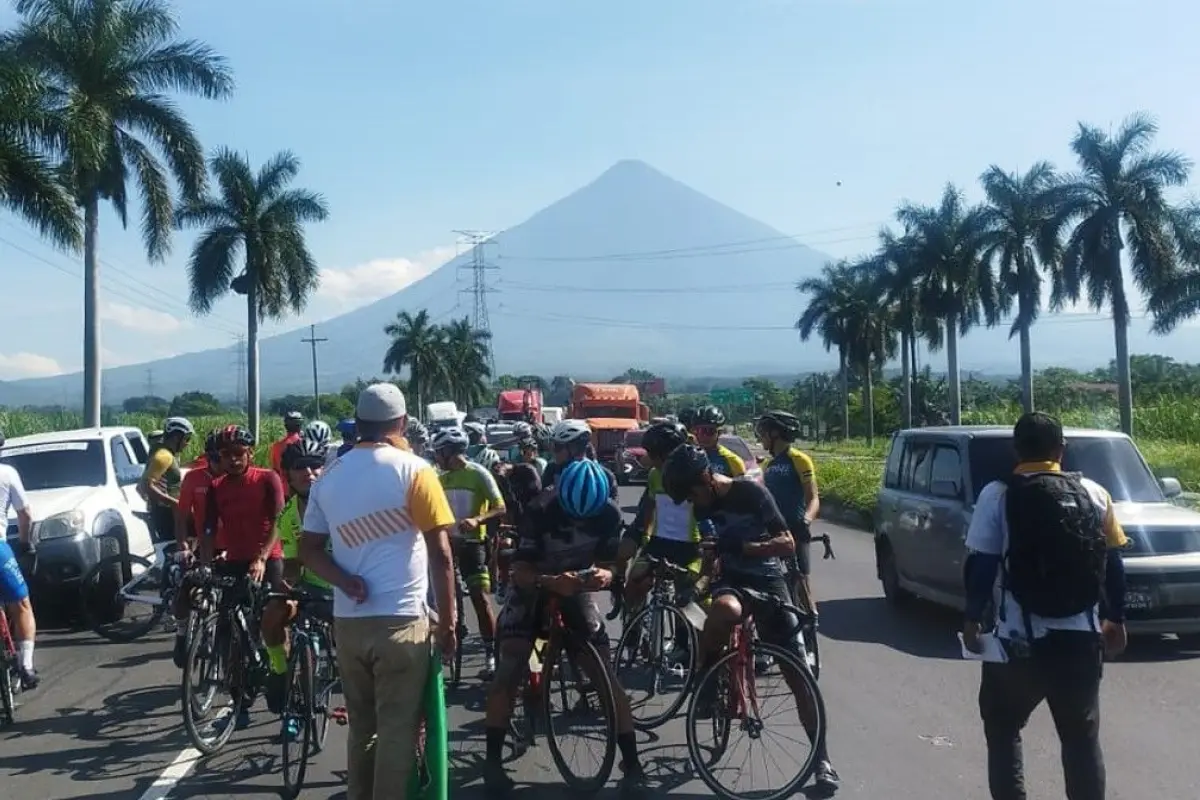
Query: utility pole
pixel 313 341
pixel 241 371
pixel 816 415
pixel 149 383
pixel 479 266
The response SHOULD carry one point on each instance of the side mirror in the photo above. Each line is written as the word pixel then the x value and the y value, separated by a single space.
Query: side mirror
pixel 1171 486
pixel 945 489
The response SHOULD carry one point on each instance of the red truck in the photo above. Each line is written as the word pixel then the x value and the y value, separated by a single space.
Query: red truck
pixel 520 405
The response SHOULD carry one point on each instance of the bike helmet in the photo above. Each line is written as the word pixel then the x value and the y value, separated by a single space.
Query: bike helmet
pixel 784 422
pixel 177 425
pixel 346 427
pixel 318 432
pixel 212 443
pixel 683 470
pixel 487 458
pixel 522 430
pixel 541 435
pixel 583 488
pixel 528 443
pixel 292 421
pixel 570 431
pixel 452 439
pixel 235 435
pixel 662 438
pixel 687 417
pixel 476 432
pixel 709 415
pixel 305 452
pixel 416 432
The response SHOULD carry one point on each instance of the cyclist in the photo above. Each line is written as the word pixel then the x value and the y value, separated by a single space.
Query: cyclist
pixel 417 436
pixel 791 479
pixel 160 480
pixel 571 440
pixel 687 417
pixel 475 500
pixel 476 438
pixel 487 458
pixel 302 462
pixel 520 431
pixel 349 437
pixel 564 530
pixel 706 425
pixel 752 542
pixel 529 454
pixel 293 421
pixel 316 431
pixel 193 495
pixel 14 591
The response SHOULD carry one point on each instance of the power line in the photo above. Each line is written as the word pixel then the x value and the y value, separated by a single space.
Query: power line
pixel 313 341
pixel 773 286
pixel 479 266
pixel 149 383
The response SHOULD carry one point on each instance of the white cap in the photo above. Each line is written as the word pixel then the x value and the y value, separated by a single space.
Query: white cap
pixel 381 402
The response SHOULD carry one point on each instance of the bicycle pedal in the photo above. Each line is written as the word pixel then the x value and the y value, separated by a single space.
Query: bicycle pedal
pixel 339 716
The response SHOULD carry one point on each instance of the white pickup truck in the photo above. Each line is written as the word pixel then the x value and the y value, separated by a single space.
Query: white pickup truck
pixel 82 488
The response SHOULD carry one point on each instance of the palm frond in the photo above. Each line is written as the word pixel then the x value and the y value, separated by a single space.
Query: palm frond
pixel 212 266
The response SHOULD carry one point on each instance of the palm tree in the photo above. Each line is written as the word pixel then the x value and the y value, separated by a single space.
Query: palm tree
pixel 418 345
pixel 260 218
pixel 1018 208
pixel 828 314
pixel 871 330
pixel 955 284
pixel 107 64
pixel 1118 197
pixel 467 355
pixel 28 184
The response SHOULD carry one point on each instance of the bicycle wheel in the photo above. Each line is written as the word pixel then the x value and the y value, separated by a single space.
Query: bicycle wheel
pixel 325 678
pixel 298 708
pixel 208 666
pixel 812 648
pixel 725 717
pixel 456 663
pixel 8 699
pixel 578 698
pixel 522 725
pixel 657 633
pixel 114 587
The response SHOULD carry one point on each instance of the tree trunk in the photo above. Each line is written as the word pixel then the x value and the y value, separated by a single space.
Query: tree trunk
pixel 869 402
pixel 905 381
pixel 1026 370
pixel 1124 380
pixel 91 313
pixel 252 393
pixel 844 370
pixel 952 369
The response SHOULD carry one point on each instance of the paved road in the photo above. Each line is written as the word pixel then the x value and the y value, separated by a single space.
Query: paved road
pixel 904 725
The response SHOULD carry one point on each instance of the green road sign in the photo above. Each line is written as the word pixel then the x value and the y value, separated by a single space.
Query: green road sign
pixel 731 396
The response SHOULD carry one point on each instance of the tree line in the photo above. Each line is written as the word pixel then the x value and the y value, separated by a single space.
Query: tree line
pixel 951 267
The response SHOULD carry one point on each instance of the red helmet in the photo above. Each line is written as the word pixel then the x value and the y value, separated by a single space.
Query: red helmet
pixel 232 435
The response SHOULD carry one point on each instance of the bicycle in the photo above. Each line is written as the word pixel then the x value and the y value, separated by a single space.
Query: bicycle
pixel 10 673
pixel 647 632
pixel 733 687
pixel 226 652
pixel 120 579
pixel 812 644
pixel 557 650
pixel 312 677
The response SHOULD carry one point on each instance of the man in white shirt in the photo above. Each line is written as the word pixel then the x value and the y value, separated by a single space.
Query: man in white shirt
pixel 384 513
pixel 14 593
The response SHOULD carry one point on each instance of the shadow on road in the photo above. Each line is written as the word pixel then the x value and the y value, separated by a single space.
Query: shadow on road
pixel 1151 649
pixel 925 631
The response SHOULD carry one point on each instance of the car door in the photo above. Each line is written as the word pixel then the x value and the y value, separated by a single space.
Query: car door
pixel 913 511
pixel 948 520
pixel 136 514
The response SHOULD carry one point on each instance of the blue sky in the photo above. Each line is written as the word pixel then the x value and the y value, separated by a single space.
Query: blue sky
pixel 415 119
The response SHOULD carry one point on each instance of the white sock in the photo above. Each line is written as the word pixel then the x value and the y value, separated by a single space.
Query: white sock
pixel 25 648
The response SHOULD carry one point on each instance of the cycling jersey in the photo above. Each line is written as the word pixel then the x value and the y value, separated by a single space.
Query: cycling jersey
pixel 551 472
pixel 13 588
pixel 745 513
pixel 724 461
pixel 277 451
pixel 245 508
pixel 788 478
pixel 472 492
pixel 289 525
pixel 193 497
pixel 668 520
pixel 163 468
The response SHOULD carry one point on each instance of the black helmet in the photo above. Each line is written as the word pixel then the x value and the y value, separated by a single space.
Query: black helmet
pixel 212 444
pixel 662 438
pixel 683 469
pixel 293 421
pixel 708 415
pixel 304 453
pixel 687 417
pixel 784 422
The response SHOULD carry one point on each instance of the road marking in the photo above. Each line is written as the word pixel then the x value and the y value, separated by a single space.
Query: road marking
pixel 176 771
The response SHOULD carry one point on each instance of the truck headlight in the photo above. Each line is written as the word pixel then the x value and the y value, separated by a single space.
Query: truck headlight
pixel 59 526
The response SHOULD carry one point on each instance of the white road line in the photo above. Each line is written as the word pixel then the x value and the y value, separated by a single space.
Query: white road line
pixel 176 771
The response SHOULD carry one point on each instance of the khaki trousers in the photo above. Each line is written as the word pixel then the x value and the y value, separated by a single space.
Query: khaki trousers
pixel 384 664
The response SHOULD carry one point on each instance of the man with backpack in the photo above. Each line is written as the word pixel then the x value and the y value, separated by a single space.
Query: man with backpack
pixel 1044 553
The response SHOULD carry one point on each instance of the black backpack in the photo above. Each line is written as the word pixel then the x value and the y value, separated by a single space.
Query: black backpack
pixel 1057 550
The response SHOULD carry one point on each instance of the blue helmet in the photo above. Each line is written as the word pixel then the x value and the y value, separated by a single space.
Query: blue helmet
pixel 346 427
pixel 583 488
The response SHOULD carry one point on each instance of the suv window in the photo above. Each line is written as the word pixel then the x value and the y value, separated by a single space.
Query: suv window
pixel 891 473
pixel 914 467
pixel 138 444
pixel 947 467
pixel 127 472
pixel 1113 463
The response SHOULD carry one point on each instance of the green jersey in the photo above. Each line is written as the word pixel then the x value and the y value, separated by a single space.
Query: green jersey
pixel 472 492
pixel 290 525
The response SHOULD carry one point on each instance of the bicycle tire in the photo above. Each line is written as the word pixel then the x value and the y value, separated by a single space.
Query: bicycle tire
pixel 680 619
pixel 92 612
pixel 206 746
pixel 782 657
pixel 812 644
pixel 604 691
pixel 322 692
pixel 299 693
pixel 8 698
pixel 461 629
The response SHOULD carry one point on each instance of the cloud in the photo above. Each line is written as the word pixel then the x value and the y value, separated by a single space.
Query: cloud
pixel 142 320
pixel 365 283
pixel 28 365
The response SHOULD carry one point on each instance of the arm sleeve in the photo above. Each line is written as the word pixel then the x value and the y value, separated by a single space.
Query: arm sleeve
pixel 986 532
pixel 427 503
pixel 160 462
pixel 529 544
pixel 1113 607
pixel 979 578
pixel 275 498
pixel 187 494
pixel 609 525
pixel 804 467
pixel 16 492
pixel 645 508
pixel 211 514
pixel 771 516
pixel 1113 532
pixel 737 467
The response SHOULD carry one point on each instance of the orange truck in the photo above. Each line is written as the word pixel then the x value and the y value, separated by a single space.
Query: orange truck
pixel 610 409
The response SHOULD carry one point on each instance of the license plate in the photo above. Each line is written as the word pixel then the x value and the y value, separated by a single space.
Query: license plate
pixel 1139 599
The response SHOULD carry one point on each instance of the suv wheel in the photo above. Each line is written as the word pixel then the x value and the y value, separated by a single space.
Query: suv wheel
pixel 889 576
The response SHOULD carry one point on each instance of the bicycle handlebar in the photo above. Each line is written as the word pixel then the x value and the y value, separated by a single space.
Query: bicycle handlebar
pixel 617 589
pixel 824 539
pixel 800 616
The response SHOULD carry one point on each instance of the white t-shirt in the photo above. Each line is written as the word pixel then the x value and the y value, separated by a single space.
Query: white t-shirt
pixel 12 491
pixel 374 503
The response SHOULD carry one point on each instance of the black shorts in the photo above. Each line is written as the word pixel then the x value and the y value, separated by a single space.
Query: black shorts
pixel 162 522
pixel 471 555
pixel 773 626
pixel 802 560
pixel 273 576
pixel 524 612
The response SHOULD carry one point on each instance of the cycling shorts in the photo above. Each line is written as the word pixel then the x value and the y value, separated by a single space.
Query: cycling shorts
pixel 471 556
pixel 162 521
pixel 522 620
pixel 773 626
pixel 802 560
pixel 13 588
pixel 273 576
pixel 681 554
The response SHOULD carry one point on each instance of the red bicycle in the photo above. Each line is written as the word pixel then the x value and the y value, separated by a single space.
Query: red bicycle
pixel 10 675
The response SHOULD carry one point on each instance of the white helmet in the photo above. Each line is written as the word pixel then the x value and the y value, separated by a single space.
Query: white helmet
pixel 450 438
pixel 475 429
pixel 487 458
pixel 570 431
pixel 317 432
pixel 522 430
pixel 178 425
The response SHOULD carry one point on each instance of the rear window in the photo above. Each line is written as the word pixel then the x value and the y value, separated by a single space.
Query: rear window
pixel 738 445
pixel 633 439
pixel 1113 463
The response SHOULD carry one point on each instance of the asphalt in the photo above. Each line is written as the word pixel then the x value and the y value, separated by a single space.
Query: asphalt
pixel 106 721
